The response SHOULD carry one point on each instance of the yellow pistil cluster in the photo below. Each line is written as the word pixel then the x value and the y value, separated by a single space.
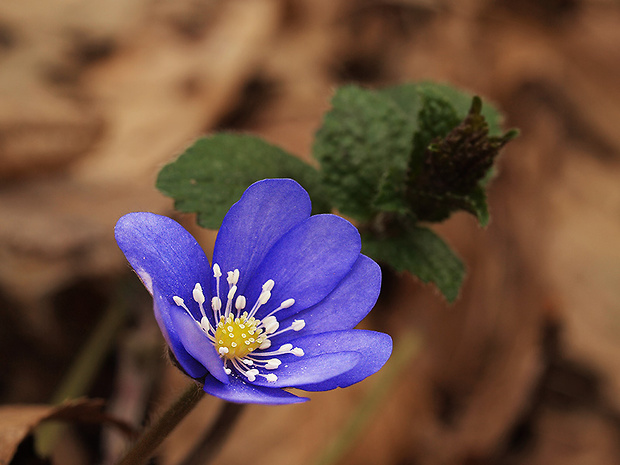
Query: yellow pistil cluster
pixel 237 337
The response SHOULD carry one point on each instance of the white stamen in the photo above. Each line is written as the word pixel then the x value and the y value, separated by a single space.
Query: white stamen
pixel 231 292
pixel 270 324
pixel 264 297
pixel 233 277
pixel 231 295
pixel 251 374
pixel 199 297
pixel 181 303
pixel 297 325
pixel 252 332
pixel 287 303
pixel 217 272
pixel 273 363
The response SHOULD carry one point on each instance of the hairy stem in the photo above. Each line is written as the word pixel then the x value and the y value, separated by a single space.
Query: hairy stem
pixel 146 445
pixel 210 444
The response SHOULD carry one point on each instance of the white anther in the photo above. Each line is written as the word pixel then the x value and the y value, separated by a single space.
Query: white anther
pixel 247 361
pixel 204 324
pixel 298 325
pixel 223 350
pixel 287 303
pixel 264 297
pixel 270 324
pixel 199 297
pixel 285 348
pixel 240 302
pixel 273 363
pixel 271 378
pixel 298 351
pixel 181 303
pixel 216 304
pixel 217 272
pixel 231 293
pixel 251 374
pixel 268 286
pixel 227 370
pixel 232 277
pixel 265 345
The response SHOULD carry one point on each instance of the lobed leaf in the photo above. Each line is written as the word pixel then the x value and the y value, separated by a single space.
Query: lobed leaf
pixel 215 171
pixel 424 254
pixel 363 147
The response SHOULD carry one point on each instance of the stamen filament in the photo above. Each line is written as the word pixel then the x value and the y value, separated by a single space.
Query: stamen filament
pixel 199 297
pixel 217 273
pixel 286 304
pixel 296 325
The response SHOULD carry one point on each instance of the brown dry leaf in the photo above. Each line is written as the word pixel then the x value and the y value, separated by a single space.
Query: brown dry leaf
pixel 18 421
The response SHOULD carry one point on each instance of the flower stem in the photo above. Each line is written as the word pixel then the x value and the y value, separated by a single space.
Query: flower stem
pixel 210 444
pixel 145 446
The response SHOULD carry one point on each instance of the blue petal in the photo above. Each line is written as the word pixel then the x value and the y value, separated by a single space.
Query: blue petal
pixel 198 345
pixel 169 262
pixel 345 306
pixel 265 212
pixel 243 393
pixel 309 369
pixel 375 349
pixel 307 263
pixel 163 253
pixel 191 366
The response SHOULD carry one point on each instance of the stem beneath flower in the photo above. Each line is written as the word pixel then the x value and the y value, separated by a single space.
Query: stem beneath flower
pixel 145 446
pixel 210 444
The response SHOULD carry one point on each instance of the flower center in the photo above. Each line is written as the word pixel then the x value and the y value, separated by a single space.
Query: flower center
pixel 238 337
pixel 241 340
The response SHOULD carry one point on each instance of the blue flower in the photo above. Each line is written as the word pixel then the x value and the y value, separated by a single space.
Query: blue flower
pixel 278 306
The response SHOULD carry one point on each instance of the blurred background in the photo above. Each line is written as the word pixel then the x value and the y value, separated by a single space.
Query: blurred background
pixel 95 96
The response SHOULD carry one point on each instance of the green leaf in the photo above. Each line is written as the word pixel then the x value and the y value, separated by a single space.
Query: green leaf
pixel 461 101
pixel 478 206
pixel 424 254
pixel 408 98
pixel 363 147
pixel 214 172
